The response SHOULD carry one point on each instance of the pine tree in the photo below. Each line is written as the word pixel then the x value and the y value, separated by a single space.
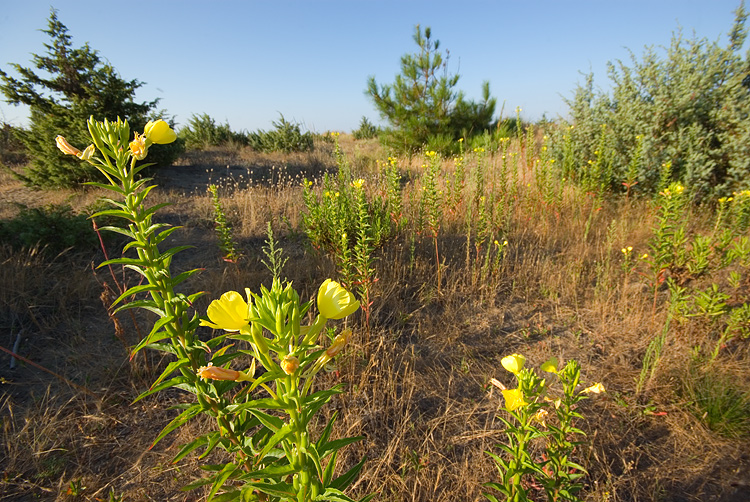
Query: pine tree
pixel 79 85
pixel 423 102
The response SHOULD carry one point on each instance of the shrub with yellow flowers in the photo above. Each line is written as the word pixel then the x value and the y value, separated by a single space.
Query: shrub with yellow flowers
pixel 262 412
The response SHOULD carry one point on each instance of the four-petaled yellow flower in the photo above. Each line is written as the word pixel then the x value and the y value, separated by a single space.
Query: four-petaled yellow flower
pixel 338 343
pixel 229 313
pixel 216 373
pixel 513 363
pixel 550 366
pixel 335 302
pixel 597 388
pixel 159 132
pixel 87 153
pixel 514 399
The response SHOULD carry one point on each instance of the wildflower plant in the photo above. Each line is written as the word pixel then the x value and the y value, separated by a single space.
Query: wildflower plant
pixel 263 412
pixel 540 418
pixel 223 230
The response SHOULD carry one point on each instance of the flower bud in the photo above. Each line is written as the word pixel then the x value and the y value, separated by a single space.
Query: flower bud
pixel 289 364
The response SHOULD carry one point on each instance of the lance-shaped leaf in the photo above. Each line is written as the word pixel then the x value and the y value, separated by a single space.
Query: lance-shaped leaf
pixel 348 477
pixel 173 382
pixel 178 421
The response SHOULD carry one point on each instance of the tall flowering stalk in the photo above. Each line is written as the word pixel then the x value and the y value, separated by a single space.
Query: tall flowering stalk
pixel 262 418
pixel 545 417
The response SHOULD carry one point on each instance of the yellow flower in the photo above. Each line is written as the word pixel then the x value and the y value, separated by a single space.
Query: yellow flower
pixel 550 366
pixel 289 364
pixel 216 373
pixel 597 388
pixel 159 132
pixel 513 399
pixel 87 153
pixel 513 363
pixel 138 147
pixel 228 313
pixel 338 343
pixel 430 153
pixel 335 302
pixel 358 183
pixel 66 147
pixel 541 416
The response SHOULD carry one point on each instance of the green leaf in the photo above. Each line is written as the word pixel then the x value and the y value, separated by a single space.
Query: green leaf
pixel 278 437
pixel 118 213
pixel 170 368
pixel 273 489
pixel 149 305
pixel 270 472
pixel 164 385
pixel 220 479
pixel 123 261
pixel 328 472
pixel 178 421
pixel 192 445
pixel 166 233
pixel 185 275
pixel 136 290
pixel 227 496
pixel 334 495
pixel 327 431
pixel 119 230
pixel 337 445
pixel 156 335
pixel 348 477
pixel 313 455
pixel 106 187
pixel 167 255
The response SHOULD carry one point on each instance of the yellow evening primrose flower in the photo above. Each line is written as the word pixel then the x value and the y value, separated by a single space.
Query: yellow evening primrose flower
pixel 159 132
pixel 550 366
pixel 228 313
pixel 514 399
pixel 597 388
pixel 335 302
pixel 66 147
pixel 338 343
pixel 87 153
pixel 513 363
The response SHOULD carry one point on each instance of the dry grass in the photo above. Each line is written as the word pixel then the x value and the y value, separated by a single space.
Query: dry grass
pixel 417 392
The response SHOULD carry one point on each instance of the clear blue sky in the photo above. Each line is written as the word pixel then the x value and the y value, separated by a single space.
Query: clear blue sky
pixel 244 62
